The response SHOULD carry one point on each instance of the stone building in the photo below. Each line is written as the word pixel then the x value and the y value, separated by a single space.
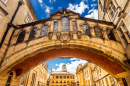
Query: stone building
pixel 93 75
pixel 36 76
pixel 12 13
pixel 118 12
pixel 61 78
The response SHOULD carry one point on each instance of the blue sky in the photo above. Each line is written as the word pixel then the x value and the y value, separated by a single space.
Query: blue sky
pixel 86 8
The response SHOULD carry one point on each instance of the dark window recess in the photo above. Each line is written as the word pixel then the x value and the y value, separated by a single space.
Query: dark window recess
pixel 9 79
pixel 124 26
pixel 61 77
pixel 98 32
pixel 32 34
pixel 55 27
pixel 121 31
pixel 125 40
pixel 21 37
pixel 86 30
pixel 110 34
pixel 74 26
pixel 128 34
pixel 64 24
pixel 44 31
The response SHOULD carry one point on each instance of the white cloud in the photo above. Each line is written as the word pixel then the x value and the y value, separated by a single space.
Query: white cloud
pixel 78 8
pixel 59 8
pixel 40 1
pixel 93 14
pixel 93 5
pixel 48 9
pixel 71 67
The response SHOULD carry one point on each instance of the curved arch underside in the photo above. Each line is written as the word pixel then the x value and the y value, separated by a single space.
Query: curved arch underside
pixel 109 65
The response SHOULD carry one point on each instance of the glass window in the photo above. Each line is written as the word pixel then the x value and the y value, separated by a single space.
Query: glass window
pixel 52 81
pixel 67 77
pixel 124 27
pixel 64 24
pixel 112 14
pixel 60 77
pixel 56 81
pixel 21 37
pixel 27 20
pixel 86 30
pixel 74 26
pixel 110 34
pixel 55 27
pixel 64 77
pixel 33 34
pixel 57 77
pixel 98 32
pixel 44 30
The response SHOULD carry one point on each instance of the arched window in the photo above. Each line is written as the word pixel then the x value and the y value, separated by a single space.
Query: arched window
pixel 98 32
pixel 21 37
pixel 55 27
pixel 9 79
pixel 74 26
pixel 33 80
pixel 64 24
pixel 44 30
pixel 110 34
pixel 33 33
pixel 86 30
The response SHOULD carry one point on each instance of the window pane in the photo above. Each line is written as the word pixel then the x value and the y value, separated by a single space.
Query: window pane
pixel 21 37
pixel 33 34
pixel 86 30
pixel 44 30
pixel 98 32
pixel 55 27
pixel 65 24
pixel 74 26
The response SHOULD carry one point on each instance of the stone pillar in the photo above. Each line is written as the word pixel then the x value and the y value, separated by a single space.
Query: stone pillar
pixel 92 31
pixel 52 26
pixel 59 26
pixel 26 36
pixel 71 26
pixel 105 33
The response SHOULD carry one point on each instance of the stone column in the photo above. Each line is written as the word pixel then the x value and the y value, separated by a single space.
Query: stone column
pixel 59 26
pixel 26 36
pixel 52 26
pixel 92 31
pixel 105 33
pixel 71 26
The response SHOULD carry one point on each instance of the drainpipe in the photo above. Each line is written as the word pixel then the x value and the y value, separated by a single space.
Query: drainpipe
pixel 8 27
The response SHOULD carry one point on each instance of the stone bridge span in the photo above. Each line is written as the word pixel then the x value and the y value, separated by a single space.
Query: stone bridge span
pixel 65 34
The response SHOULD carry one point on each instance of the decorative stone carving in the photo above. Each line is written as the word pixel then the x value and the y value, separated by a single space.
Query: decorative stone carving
pixel 65 37
pixel 58 35
pixel 50 35
pixel 79 34
pixel 71 34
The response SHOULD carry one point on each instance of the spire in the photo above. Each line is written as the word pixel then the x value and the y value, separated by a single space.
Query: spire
pixel 64 69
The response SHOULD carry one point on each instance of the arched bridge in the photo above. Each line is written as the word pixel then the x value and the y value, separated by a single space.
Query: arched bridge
pixel 64 34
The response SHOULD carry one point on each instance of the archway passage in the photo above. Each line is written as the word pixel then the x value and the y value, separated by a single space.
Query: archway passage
pixel 109 65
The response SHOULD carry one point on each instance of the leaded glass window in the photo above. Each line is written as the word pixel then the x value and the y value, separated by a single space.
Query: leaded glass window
pixel 74 26
pixel 55 27
pixel 98 32
pixel 44 30
pixel 21 37
pixel 33 34
pixel 64 24
pixel 110 34
pixel 86 30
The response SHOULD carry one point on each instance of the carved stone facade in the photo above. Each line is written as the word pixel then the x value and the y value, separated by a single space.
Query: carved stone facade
pixel 93 75
pixel 36 76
